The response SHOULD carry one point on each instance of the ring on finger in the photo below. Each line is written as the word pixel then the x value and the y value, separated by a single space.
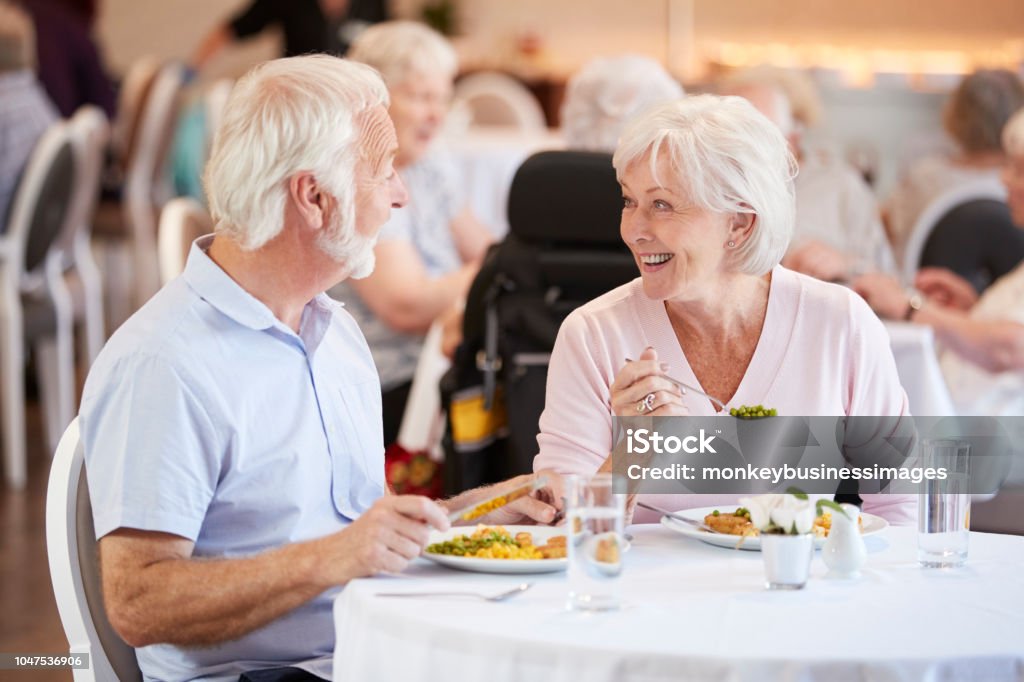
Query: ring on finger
pixel 646 404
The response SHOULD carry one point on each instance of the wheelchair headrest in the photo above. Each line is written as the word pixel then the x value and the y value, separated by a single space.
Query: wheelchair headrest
pixel 566 198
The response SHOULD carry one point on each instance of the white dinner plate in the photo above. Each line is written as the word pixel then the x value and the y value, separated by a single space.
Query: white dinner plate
pixel 540 537
pixel 871 524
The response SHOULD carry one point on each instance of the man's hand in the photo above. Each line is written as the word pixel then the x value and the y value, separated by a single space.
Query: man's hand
pixel 385 539
pixel 946 288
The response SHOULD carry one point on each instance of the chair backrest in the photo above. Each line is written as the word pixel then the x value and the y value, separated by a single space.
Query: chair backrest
pixel 563 249
pixel 134 92
pixel 986 188
pixel 155 130
pixel 74 569
pixel 494 98
pixel 216 102
pixel 182 221
pixel 41 203
pixel 90 133
pixel 977 240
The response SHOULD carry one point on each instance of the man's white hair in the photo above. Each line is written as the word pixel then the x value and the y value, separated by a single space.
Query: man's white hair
pixel 1013 134
pixel 607 92
pixel 400 49
pixel 726 157
pixel 301 114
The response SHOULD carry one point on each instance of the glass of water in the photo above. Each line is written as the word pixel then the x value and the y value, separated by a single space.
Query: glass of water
pixel 594 517
pixel 944 506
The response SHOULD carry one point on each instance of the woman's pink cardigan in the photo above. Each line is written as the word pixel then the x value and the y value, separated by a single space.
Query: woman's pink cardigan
pixel 821 352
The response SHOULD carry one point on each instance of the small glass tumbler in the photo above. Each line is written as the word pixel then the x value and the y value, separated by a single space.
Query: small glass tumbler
pixel 594 517
pixel 944 506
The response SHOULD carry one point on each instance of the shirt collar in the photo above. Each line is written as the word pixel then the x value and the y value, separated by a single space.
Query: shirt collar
pixel 217 288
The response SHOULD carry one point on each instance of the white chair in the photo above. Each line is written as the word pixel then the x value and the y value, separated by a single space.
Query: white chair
pixel 910 259
pixel 74 569
pixel 142 144
pixel 182 221
pixel 90 132
pixel 493 98
pixel 35 306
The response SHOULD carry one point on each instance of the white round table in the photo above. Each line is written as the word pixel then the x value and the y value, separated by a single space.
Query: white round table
pixel 692 611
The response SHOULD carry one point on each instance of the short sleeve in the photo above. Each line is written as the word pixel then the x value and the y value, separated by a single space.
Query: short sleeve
pixel 254 18
pixel 576 425
pixel 151 453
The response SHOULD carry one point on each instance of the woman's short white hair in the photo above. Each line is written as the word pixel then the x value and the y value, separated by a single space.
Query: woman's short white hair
pixel 400 49
pixel 607 92
pixel 726 157
pixel 284 117
pixel 1013 134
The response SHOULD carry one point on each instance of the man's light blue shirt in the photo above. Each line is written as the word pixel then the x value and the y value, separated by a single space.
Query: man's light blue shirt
pixel 207 418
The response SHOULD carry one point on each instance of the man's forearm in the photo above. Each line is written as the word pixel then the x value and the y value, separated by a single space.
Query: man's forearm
pixel 200 602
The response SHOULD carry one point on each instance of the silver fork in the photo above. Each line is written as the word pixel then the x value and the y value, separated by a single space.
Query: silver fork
pixel 501 596
pixel 687 387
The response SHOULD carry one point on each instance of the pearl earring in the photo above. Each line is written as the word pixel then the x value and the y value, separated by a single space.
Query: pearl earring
pixel 731 244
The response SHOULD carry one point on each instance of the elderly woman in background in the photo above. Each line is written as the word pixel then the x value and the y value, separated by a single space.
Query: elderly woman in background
pixel 983 360
pixel 974 118
pixel 430 250
pixel 707 185
pixel 606 93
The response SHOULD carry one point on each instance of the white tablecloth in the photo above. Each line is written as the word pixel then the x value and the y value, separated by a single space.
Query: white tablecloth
pixel 913 346
pixel 488 159
pixel 698 612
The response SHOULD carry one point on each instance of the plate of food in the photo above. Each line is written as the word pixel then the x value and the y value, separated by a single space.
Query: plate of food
pixel 500 549
pixel 726 525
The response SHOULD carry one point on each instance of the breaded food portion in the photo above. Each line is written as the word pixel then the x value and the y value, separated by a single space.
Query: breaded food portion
pixel 730 524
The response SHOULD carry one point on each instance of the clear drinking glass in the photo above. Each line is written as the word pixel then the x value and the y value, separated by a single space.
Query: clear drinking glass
pixel 944 506
pixel 594 517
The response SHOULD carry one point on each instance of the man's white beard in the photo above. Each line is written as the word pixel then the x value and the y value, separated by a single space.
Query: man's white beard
pixel 353 250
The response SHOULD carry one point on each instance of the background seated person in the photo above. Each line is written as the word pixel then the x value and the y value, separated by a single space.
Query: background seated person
pixel 983 338
pixel 974 118
pixel 232 426
pixel 25 110
pixel 707 186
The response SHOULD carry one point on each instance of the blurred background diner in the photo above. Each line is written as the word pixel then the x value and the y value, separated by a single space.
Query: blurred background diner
pixel 901 120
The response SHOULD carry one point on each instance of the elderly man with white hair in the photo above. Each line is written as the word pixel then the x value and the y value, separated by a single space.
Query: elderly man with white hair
pixel 982 337
pixel 838 231
pixel 25 110
pixel 232 426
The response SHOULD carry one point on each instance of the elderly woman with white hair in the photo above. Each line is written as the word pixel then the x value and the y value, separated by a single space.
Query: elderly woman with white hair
pixel 983 338
pixel 707 186
pixel 429 252
pixel 606 93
